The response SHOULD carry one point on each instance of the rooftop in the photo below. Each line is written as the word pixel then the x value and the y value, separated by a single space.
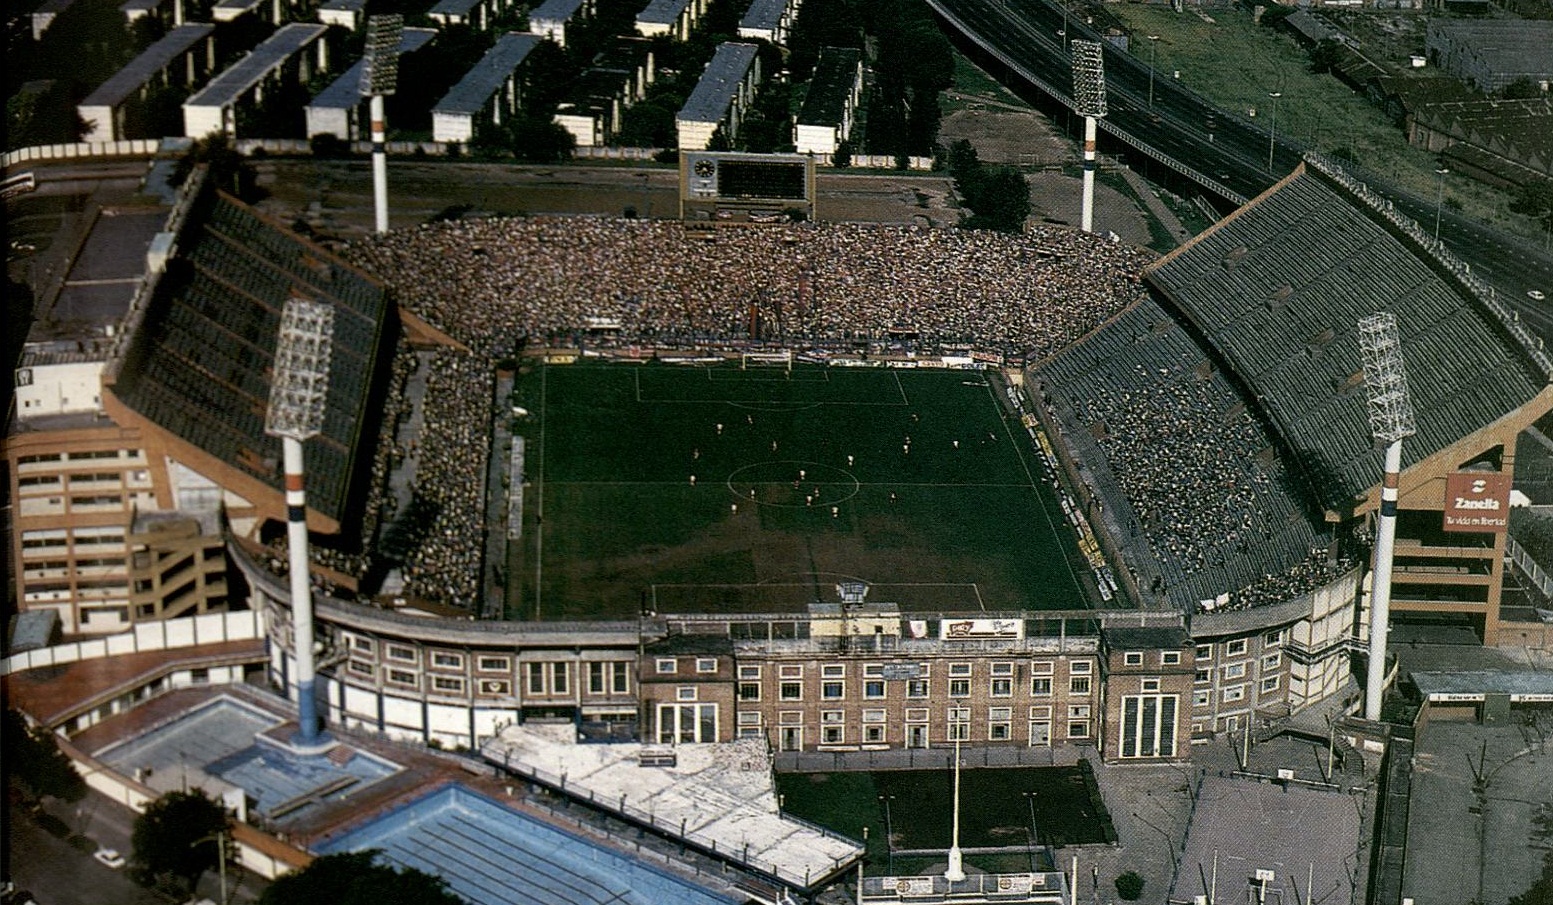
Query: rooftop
pixel 345 91
pixel 153 60
pixel 241 77
pixel 709 101
pixel 835 74
pixel 487 76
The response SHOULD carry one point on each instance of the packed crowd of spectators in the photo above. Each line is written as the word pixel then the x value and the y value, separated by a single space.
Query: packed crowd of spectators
pixel 497 283
pixel 1214 519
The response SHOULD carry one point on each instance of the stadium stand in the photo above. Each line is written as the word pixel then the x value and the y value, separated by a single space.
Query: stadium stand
pixel 199 366
pixel 1277 291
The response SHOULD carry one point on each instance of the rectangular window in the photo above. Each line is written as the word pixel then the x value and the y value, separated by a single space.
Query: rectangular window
pixel 1170 658
pixel 749 672
pixel 400 652
pixel 447 684
pixel 706 664
pixel 403 677
pixel 1272 660
pixel 749 718
pixel 1040 733
pixel 873 735
pixel 1132 658
pixel 1040 686
pixel 1078 685
pixel 560 676
pixel 444 660
pixel 1235 648
pixel 792 672
pixel 833 671
pixel 1041 668
pixel 1201 698
pixel 685 693
pixel 1204 676
pixel 873 716
pixel 873 689
pixel 364 669
pixel 1148 725
pixel 791 691
pixel 833 735
pixel 1273 638
pixel 665 666
pixel 1234 693
pixel 873 670
pixel 1002 688
pixel 1270 684
pixel 1234 670
pixel 1002 669
pixel 364 645
pixel 495 687
pixel 596 678
pixel 620 677
pixel 494 664
pixel 536 678
pixel 1205 652
pixel 749 691
pixel 1078 729
pixel 916 688
pixel 832 691
pixel 1148 685
pixel 832 716
pixel 959 688
pixel 1080 667
pixel 959 669
pixel 1078 712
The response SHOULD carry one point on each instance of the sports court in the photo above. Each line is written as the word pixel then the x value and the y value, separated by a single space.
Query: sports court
pixel 700 487
pixel 492 855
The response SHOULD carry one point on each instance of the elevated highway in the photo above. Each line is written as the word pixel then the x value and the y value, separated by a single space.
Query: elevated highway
pixel 1225 154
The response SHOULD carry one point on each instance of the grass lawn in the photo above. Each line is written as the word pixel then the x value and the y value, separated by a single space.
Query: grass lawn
pixel 706 489
pixel 997 807
pixel 1236 63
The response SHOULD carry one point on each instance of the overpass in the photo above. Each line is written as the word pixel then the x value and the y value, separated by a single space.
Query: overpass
pixel 1227 155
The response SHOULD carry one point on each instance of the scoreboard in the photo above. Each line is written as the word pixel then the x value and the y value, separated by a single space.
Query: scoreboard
pixel 732 186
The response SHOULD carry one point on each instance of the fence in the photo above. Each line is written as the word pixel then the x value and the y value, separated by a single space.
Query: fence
pixel 211 628
pixel 82 150
pixel 1534 572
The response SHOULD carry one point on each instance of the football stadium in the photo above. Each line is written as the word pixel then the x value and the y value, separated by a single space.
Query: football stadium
pixel 820 487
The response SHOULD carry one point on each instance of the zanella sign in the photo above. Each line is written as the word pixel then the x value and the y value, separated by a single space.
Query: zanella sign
pixel 966 629
pixel 1477 501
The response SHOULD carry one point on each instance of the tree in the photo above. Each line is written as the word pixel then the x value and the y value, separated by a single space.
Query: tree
pixel 1522 88
pixel 1130 886
pixel 1541 892
pixel 1003 203
pixel 36 761
pixel 358 878
pixel 539 139
pixel 843 156
pixel 229 171
pixel 176 838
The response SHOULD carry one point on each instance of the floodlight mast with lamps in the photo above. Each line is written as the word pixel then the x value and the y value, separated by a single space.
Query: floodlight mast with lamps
pixel 299 387
pixel 379 78
pixel 955 872
pixel 1391 419
pixel 1089 102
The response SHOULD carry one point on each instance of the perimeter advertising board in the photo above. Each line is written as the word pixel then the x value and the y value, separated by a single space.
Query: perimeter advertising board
pixel 1477 501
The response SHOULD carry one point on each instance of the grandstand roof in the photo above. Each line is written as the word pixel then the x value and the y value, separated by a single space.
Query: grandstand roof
pixel 1277 290
pixel 714 92
pixel 488 75
pixel 154 59
pixel 199 366
pixel 345 91
pixel 835 74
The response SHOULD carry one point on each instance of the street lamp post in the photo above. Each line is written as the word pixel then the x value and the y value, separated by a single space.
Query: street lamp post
pixel 889 833
pixel 1153 47
pixel 1439 201
pixel 1272 131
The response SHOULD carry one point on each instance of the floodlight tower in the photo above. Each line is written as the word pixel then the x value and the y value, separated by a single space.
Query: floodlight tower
pixel 379 78
pixel 1391 419
pixel 296 412
pixel 1089 102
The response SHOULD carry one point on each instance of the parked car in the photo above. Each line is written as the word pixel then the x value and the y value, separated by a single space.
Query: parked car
pixel 109 858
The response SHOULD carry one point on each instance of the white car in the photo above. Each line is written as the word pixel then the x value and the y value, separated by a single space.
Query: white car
pixel 109 858
pixel 1536 295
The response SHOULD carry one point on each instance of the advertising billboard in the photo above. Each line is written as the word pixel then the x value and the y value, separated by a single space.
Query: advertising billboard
pixel 1477 501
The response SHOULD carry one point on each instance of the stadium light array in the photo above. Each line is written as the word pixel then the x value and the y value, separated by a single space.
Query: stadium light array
pixel 298 390
pixel 1089 101
pixel 1391 419
pixel 379 78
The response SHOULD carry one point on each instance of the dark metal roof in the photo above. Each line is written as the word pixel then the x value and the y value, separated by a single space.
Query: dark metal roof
pixel 488 75
pixel 199 366
pixel 709 101
pixel 1277 290
pixel 153 60
pixel 835 73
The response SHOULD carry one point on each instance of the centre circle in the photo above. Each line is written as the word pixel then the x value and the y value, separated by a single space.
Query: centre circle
pixel 793 483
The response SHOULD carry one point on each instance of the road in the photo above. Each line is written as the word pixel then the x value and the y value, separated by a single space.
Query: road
pixel 1223 153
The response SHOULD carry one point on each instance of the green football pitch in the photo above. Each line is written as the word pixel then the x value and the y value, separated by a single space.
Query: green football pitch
pixel 716 489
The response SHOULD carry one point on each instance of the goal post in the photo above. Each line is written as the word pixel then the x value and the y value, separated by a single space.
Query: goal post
pixel 782 360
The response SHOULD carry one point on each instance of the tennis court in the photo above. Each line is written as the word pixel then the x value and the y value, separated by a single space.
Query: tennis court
pixel 712 488
pixel 493 855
